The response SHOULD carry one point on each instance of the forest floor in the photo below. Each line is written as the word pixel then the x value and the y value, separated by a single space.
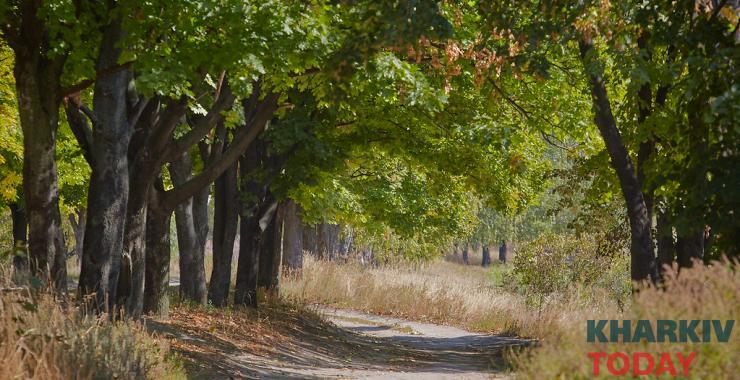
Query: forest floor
pixel 285 341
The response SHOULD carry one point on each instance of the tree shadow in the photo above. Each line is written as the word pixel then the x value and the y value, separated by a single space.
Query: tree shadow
pixel 309 347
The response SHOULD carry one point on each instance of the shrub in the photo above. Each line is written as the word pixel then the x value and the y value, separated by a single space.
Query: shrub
pixel 557 265
pixel 42 339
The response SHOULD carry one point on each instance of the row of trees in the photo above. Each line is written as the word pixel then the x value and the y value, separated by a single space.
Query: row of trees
pixel 406 120
pixel 271 102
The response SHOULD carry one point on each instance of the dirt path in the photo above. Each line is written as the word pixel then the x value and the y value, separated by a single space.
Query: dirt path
pixel 453 353
pixel 301 344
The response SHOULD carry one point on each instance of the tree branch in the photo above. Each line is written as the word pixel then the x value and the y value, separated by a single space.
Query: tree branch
pixel 511 101
pixel 201 127
pixel 66 91
pixel 260 115
pixel 136 112
pixel 165 126
pixel 80 128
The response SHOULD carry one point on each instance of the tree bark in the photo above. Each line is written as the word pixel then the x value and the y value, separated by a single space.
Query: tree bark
pixel 465 254
pixel 132 277
pixel 328 241
pixel 346 242
pixel 245 292
pixel 647 147
pixel 690 247
pixel 271 252
pixel 20 234
pixel 191 250
pixel 224 232
pixel 256 206
pixel 292 237
pixel 666 249
pixel 643 265
pixel 156 298
pixel 486 257
pixel 690 239
pixel 37 80
pixel 311 240
pixel 77 221
pixel 109 180
pixel 502 251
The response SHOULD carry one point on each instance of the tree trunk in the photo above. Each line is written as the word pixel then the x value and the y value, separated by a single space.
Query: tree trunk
pixel 156 297
pixel 20 235
pixel 256 211
pixel 191 250
pixel 132 276
pixel 143 171
pixel 77 221
pixel 664 232
pixel 37 86
pixel 502 251
pixel 224 232
pixel 328 241
pixel 59 266
pixel 486 257
pixel 245 292
pixel 311 240
pixel 690 247
pixel 465 254
pixel 271 252
pixel 292 237
pixel 109 187
pixel 346 242
pixel 690 240
pixel 643 265
pixel 366 255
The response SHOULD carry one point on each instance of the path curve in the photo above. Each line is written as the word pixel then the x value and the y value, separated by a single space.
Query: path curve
pixel 454 353
pixel 323 343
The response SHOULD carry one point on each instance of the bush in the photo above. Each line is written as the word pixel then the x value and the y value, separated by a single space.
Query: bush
pixel 40 339
pixel 557 265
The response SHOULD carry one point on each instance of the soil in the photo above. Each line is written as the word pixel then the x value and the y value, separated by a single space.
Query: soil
pixel 287 342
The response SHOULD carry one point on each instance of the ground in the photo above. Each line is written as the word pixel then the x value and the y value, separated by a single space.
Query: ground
pixel 285 341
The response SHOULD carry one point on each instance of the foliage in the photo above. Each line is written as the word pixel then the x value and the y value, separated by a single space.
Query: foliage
pixel 553 264
pixel 11 144
pixel 686 53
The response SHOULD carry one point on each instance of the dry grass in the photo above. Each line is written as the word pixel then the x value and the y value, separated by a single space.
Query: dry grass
pixel 41 339
pixel 700 293
pixel 469 297
pixel 440 292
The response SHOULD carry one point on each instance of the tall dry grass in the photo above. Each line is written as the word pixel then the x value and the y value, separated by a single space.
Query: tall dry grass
pixel 41 339
pixel 700 293
pixel 467 296
pixel 440 292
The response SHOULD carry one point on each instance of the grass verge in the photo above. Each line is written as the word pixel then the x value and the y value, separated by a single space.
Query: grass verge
pixel 439 292
pixel 42 339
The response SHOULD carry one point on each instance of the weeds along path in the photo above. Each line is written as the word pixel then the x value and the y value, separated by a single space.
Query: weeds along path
pixel 284 342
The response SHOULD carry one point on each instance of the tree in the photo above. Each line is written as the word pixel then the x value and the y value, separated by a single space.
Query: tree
pixel 37 72
pixel 634 57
